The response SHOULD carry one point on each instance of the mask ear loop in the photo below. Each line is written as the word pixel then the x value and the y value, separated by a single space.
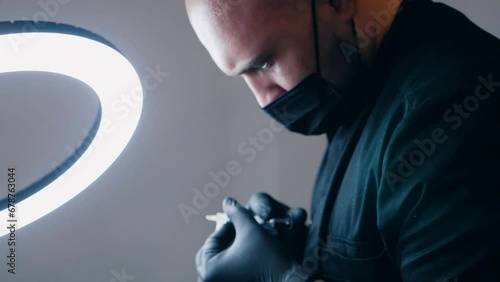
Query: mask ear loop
pixel 315 31
pixel 355 33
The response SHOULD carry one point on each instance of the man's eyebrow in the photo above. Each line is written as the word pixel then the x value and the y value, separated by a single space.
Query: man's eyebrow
pixel 257 60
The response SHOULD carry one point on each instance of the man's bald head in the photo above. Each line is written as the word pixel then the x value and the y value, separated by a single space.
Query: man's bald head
pixel 235 22
pixel 270 43
pixel 242 35
pixel 226 11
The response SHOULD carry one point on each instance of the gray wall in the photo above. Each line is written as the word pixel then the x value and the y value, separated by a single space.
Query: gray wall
pixel 192 124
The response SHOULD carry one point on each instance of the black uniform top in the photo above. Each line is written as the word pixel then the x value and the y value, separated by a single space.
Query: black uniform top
pixel 408 189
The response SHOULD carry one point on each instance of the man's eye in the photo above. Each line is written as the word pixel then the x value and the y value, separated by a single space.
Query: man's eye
pixel 264 66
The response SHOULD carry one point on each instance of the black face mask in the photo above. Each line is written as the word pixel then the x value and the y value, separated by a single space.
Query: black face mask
pixel 309 108
pixel 313 106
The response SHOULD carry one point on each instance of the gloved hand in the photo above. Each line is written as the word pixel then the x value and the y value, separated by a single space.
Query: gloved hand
pixel 242 250
pixel 294 236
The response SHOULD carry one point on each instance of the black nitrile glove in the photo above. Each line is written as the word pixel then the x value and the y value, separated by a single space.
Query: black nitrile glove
pixel 294 236
pixel 243 251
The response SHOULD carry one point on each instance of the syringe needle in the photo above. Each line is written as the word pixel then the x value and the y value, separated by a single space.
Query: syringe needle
pixel 222 218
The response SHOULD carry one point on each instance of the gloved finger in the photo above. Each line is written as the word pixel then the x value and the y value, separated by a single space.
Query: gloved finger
pixel 241 218
pixel 217 242
pixel 266 207
pixel 298 216
pixel 296 220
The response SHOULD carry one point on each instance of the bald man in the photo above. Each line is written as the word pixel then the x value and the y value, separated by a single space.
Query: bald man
pixel 406 93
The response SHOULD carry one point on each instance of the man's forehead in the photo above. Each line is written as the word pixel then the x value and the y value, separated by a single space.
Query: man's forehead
pixel 232 56
pixel 233 10
pixel 219 9
pixel 229 32
pixel 236 32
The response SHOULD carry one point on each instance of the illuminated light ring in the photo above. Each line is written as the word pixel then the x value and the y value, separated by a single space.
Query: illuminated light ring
pixel 85 56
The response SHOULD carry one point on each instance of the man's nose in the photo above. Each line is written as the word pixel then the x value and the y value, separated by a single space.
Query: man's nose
pixel 264 88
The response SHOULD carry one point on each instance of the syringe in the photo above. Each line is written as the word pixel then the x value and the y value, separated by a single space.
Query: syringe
pixel 221 218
